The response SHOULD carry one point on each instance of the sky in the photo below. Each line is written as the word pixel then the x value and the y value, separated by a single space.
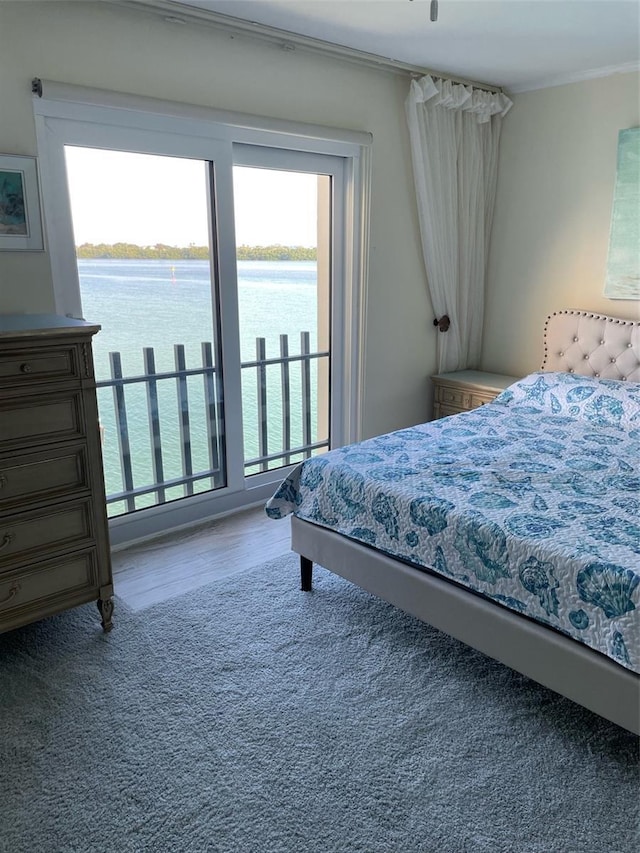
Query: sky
pixel 146 199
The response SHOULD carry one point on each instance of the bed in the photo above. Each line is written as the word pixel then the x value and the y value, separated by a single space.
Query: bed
pixel 514 528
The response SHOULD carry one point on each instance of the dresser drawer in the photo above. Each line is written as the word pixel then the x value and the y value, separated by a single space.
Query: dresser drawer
pixel 28 535
pixel 450 396
pixel 42 588
pixel 479 399
pixel 29 420
pixel 29 477
pixel 28 366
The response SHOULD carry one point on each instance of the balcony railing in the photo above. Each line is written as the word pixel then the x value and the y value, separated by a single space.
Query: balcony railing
pixel 274 445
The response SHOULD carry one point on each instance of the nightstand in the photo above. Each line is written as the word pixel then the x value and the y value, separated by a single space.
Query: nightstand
pixel 465 390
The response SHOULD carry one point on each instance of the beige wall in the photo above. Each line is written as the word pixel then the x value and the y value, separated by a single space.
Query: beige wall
pixel 553 210
pixel 98 45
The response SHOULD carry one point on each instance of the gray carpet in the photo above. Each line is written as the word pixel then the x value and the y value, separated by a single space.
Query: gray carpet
pixel 249 717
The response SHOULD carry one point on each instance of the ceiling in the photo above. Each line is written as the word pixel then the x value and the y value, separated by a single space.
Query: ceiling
pixel 516 44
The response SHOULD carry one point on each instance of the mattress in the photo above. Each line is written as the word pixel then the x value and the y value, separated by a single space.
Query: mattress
pixel 532 500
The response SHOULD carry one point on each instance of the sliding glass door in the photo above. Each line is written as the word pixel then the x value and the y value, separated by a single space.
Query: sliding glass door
pixel 147 274
pixel 212 279
pixel 283 224
pixel 224 257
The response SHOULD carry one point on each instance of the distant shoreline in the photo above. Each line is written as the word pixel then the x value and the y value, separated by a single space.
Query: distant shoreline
pixel 131 251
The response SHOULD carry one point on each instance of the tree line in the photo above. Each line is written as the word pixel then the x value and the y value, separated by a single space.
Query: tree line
pixel 191 252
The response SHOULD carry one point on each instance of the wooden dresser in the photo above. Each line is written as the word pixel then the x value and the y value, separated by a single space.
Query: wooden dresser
pixel 54 545
pixel 466 389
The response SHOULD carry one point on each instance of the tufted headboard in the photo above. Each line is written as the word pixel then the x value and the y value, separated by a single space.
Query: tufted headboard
pixel 592 345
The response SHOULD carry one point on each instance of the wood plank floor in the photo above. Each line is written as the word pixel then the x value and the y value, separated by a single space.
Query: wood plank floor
pixel 163 568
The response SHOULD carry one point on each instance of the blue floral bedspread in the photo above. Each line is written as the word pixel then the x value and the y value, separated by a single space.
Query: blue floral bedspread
pixel 532 500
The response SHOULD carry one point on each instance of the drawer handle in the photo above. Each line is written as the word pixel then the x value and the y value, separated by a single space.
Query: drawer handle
pixel 15 589
pixel 7 539
pixel 3 481
pixel 26 367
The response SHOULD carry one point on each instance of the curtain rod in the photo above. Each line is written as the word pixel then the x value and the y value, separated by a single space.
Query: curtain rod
pixel 177 13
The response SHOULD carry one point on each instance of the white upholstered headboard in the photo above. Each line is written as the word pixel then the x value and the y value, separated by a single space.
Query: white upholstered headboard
pixel 592 345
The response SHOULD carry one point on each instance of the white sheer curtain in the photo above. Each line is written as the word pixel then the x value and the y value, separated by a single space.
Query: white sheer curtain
pixel 454 131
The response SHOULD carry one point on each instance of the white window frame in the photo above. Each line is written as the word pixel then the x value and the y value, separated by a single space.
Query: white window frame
pixel 71 115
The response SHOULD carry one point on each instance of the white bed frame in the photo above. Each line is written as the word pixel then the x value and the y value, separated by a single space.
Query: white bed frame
pixel 577 342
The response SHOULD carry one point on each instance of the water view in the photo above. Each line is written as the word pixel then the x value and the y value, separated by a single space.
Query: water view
pixel 159 303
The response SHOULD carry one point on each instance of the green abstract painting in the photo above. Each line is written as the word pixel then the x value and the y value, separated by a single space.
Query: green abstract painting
pixel 623 265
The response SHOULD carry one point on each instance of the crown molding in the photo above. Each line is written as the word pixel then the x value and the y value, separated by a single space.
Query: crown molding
pixel 576 77
pixel 180 13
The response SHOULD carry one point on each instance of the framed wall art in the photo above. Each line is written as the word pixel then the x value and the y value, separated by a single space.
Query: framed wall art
pixel 20 213
pixel 623 265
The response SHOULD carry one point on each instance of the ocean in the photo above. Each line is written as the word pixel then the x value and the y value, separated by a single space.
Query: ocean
pixel 159 303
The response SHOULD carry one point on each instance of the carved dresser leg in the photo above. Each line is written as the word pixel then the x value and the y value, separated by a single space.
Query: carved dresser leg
pixel 105 606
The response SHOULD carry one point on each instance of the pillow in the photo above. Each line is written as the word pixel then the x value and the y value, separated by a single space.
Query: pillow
pixel 602 402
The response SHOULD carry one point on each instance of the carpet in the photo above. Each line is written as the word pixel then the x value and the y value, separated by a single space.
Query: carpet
pixel 248 717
